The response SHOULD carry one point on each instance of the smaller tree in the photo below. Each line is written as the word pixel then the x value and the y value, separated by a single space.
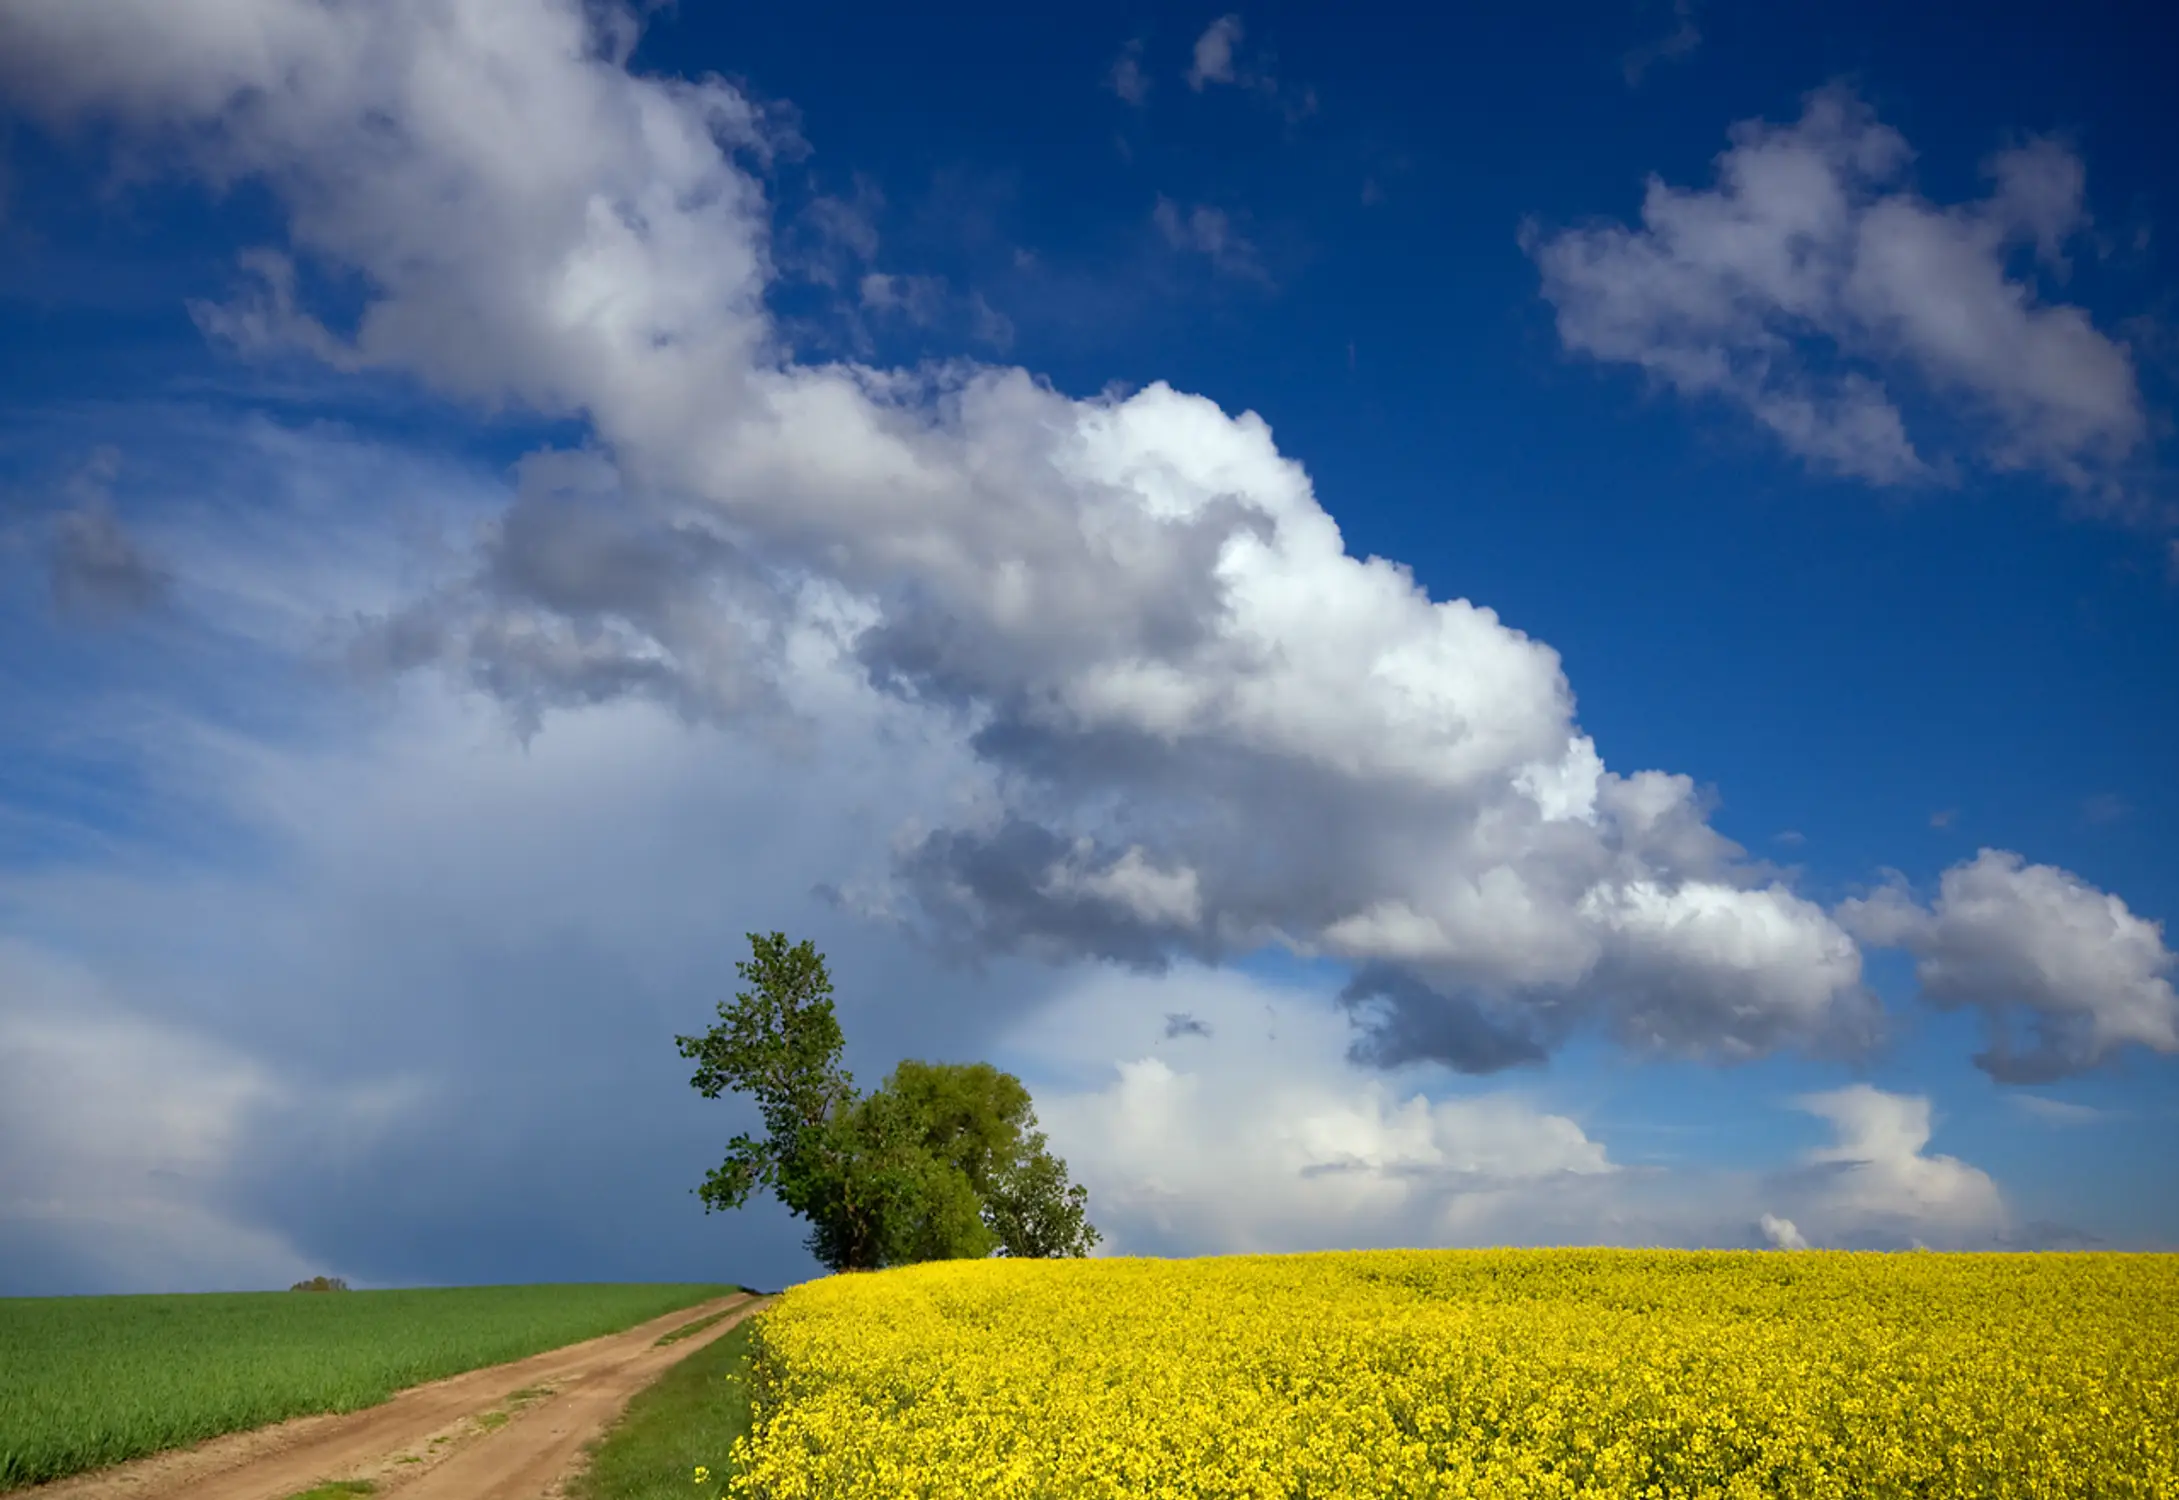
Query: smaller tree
pixel 1035 1211
pixel 941 1162
pixel 983 1122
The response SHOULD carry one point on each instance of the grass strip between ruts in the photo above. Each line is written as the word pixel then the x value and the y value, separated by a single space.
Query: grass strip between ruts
pixel 685 1421
pixel 675 1336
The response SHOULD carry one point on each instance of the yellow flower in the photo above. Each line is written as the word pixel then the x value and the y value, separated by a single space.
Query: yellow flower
pixel 703 1475
pixel 1570 1374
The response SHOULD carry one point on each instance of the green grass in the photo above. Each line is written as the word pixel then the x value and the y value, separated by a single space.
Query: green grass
pixel 676 1335
pixel 90 1381
pixel 690 1416
pixel 338 1489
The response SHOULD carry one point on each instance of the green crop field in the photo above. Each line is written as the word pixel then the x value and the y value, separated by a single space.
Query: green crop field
pixel 89 1381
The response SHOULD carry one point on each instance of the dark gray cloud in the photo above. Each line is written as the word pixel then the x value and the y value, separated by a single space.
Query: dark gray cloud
pixel 1403 1020
pixel 996 892
pixel 582 594
pixel 1180 1023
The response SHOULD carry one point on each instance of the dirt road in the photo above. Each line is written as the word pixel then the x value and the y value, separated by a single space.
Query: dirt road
pixel 508 1432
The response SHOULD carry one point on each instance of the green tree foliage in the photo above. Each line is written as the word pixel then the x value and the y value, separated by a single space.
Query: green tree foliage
pixel 942 1161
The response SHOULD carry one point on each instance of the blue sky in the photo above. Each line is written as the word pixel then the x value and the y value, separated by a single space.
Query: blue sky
pixel 1446 628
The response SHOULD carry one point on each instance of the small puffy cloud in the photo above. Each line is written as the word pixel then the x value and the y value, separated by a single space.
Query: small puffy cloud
pixel 1213 59
pixel 1127 77
pixel 2037 945
pixel 1208 232
pixel 1179 1023
pixel 1216 60
pixel 1877 1184
pixel 1812 280
pixel 1782 1234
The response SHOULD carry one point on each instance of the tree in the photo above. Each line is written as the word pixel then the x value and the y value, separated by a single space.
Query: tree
pixel 982 1121
pixel 943 1161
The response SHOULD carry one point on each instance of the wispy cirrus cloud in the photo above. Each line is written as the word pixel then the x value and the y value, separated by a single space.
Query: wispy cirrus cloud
pixel 2057 1111
pixel 1681 41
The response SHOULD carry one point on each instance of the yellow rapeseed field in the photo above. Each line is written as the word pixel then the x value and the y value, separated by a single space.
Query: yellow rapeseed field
pixel 1476 1373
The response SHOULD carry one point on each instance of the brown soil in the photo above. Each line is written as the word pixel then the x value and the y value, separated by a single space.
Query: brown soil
pixel 509 1432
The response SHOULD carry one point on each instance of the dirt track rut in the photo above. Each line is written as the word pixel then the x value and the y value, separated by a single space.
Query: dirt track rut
pixel 507 1432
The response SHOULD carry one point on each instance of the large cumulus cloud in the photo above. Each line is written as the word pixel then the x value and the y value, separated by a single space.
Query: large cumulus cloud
pixel 1206 726
pixel 1072 679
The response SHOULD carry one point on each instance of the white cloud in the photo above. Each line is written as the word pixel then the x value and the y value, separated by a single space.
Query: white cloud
pixel 1127 78
pixel 1213 61
pixel 1133 883
pixel 2033 943
pixel 1209 232
pixel 124 1140
pixel 1811 281
pixel 419 980
pixel 1877 1181
pixel 1135 607
pixel 1216 60
pixel 1783 1234
pixel 1732 971
pixel 2056 1111
pixel 1245 1130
